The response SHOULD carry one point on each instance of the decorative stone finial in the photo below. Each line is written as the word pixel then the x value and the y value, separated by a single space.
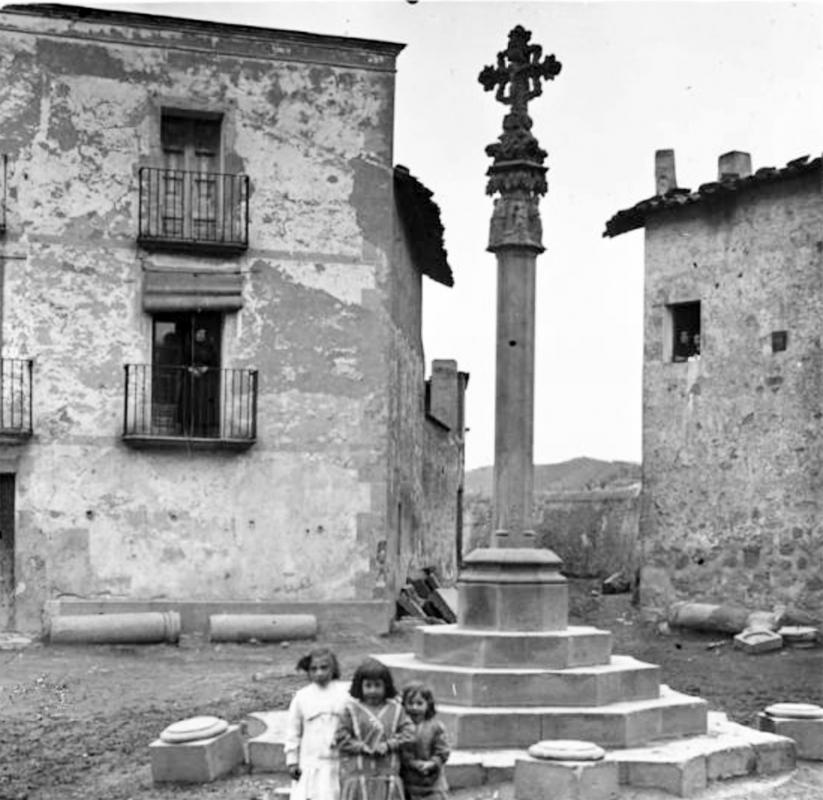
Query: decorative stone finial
pixel 520 69
pixel 517 173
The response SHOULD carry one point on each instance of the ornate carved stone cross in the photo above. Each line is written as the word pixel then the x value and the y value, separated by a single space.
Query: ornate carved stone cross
pixel 519 67
pixel 515 237
pixel 518 77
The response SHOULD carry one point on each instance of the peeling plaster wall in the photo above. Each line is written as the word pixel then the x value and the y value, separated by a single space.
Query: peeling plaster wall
pixel 732 481
pixel 311 125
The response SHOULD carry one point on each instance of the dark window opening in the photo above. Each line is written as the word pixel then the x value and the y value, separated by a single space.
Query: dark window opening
pixel 685 330
pixel 780 341
pixel 7 550
pixel 186 374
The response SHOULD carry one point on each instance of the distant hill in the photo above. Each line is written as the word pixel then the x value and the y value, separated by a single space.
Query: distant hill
pixel 568 476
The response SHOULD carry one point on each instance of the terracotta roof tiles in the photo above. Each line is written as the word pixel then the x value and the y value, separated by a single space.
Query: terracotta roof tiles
pixel 635 217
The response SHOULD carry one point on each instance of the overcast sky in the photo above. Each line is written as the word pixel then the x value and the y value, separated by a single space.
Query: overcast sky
pixel 702 78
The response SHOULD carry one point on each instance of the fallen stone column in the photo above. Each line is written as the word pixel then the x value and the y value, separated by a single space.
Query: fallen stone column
pixel 720 618
pixel 148 627
pixel 262 627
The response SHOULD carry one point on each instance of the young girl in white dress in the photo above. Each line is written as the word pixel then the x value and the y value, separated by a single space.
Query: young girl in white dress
pixel 311 757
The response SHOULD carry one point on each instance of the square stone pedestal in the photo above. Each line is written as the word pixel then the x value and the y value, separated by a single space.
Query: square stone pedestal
pixel 537 779
pixel 512 589
pixel 266 738
pixel 197 762
pixel 807 733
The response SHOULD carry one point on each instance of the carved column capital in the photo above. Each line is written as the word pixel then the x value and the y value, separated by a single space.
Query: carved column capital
pixel 516 222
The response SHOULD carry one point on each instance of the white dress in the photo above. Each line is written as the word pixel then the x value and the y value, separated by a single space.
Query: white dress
pixel 313 716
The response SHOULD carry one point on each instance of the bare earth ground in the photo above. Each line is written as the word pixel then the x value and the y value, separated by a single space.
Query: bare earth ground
pixel 77 721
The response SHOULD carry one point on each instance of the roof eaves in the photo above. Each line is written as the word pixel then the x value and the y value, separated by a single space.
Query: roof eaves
pixel 420 217
pixel 635 217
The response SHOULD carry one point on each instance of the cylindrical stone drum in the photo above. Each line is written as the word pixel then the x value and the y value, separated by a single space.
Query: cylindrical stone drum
pixel 138 628
pixel 262 627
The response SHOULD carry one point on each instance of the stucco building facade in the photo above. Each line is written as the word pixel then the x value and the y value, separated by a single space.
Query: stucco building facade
pixel 732 498
pixel 211 323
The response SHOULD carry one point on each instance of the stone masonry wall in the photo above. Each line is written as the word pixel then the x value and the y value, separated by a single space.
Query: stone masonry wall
pixel 311 124
pixel 425 459
pixel 732 481
pixel 594 532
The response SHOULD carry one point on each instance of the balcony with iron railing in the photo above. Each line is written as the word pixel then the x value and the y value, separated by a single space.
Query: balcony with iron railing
pixel 204 212
pixel 15 398
pixel 189 406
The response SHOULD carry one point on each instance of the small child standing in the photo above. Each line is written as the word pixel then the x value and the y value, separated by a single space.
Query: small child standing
pixel 372 731
pixel 423 761
pixel 314 714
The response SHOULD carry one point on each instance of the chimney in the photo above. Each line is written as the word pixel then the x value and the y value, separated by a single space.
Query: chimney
pixel 444 393
pixel 664 176
pixel 734 164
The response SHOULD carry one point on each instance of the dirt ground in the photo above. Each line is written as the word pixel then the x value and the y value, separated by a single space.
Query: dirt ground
pixel 77 721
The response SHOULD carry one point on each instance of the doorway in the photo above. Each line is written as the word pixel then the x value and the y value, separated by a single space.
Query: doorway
pixel 186 374
pixel 7 582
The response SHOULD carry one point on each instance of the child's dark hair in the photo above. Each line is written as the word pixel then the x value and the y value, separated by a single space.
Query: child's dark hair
pixel 372 670
pixel 304 663
pixel 421 690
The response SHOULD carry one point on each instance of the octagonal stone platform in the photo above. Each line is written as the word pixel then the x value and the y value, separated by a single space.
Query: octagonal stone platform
pixel 574 646
pixel 683 767
pixel 620 724
pixel 621 678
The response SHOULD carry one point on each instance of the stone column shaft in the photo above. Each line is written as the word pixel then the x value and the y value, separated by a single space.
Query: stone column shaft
pixel 514 398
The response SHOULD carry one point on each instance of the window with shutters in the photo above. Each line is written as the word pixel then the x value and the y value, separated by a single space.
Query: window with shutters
pixel 189 203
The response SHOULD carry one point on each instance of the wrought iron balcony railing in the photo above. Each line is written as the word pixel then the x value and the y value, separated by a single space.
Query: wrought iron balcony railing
pixel 202 211
pixel 15 397
pixel 189 405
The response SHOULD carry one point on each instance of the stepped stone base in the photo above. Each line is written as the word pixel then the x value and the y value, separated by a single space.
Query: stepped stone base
pixel 575 646
pixel 622 678
pixel 621 724
pixel 683 767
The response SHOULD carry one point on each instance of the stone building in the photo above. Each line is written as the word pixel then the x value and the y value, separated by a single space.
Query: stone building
pixel 733 377
pixel 213 385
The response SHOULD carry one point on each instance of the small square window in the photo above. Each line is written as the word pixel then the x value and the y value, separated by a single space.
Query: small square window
pixel 780 341
pixel 685 328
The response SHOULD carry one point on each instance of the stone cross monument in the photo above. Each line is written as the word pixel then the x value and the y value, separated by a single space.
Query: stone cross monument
pixel 515 237
pixel 512 671
pixel 512 585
